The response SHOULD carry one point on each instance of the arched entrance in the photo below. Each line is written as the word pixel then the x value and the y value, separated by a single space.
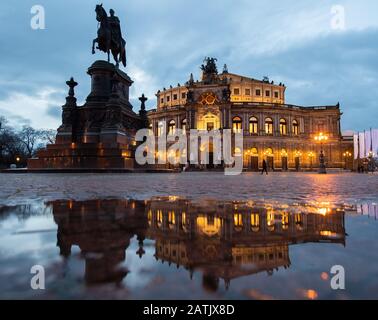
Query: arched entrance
pixel 269 158
pixel 254 160
pixel 297 160
pixel 284 165
pixel 209 149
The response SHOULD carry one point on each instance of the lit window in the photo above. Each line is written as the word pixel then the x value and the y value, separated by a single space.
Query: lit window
pixel 295 127
pixel 183 126
pixel 237 152
pixel 160 128
pixel 238 221
pixel 269 152
pixel 253 125
pixel 270 221
pixel 285 220
pixel 255 222
pixel 237 124
pixel 283 127
pixel 159 218
pixel 298 221
pixel 171 219
pixel 171 127
pixel 268 126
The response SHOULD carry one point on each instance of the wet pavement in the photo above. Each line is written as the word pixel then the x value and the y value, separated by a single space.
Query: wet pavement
pixel 189 236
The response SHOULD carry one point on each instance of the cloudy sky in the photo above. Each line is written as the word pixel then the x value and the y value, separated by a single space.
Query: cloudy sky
pixel 320 58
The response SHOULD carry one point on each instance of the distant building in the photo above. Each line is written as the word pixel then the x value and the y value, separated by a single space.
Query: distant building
pixel 281 133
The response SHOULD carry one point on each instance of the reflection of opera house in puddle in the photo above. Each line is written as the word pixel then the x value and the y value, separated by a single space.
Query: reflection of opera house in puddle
pixel 222 239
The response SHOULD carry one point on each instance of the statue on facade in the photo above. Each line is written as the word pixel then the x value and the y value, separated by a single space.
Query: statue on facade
pixel 209 66
pixel 109 36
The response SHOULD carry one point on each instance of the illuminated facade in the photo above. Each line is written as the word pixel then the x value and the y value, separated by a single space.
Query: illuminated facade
pixel 273 130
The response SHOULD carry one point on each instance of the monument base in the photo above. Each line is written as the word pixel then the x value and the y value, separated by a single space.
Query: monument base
pixel 84 156
pixel 98 135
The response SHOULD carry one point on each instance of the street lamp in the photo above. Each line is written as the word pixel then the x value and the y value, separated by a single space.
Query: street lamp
pixel 321 138
pixel 346 156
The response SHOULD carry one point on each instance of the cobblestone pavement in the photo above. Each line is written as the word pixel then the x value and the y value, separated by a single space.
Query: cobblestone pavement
pixel 349 188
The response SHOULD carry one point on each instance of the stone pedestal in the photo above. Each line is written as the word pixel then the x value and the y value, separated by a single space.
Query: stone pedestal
pixel 99 134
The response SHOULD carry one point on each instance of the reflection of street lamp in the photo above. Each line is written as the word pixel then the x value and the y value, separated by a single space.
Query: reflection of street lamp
pixel 371 161
pixel 321 138
pixel 346 156
pixel 311 156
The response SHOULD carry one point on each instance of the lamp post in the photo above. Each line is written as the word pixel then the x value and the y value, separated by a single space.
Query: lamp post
pixel 346 156
pixel 371 161
pixel 321 138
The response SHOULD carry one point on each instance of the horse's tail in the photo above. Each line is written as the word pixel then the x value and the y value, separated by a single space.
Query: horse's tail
pixel 123 56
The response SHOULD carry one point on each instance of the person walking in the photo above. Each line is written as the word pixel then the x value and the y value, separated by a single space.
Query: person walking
pixel 265 167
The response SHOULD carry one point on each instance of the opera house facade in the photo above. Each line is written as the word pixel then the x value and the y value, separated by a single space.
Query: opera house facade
pixel 282 134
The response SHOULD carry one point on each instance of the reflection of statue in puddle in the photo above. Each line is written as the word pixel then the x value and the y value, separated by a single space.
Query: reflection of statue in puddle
pixel 223 240
pixel 102 230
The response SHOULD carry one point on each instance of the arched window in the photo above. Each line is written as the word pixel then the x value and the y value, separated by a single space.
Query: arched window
pixel 255 222
pixel 237 124
pixel 237 152
pixel 171 219
pixel 238 221
pixel 270 220
pixel 268 126
pixel 159 218
pixel 253 125
pixel 171 127
pixel 285 220
pixel 254 151
pixel 183 126
pixel 269 152
pixel 160 128
pixel 283 127
pixel 295 128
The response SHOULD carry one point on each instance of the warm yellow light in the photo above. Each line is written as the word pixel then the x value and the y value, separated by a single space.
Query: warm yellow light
pixel 311 294
pixel 321 137
pixel 323 211
pixel 18 159
pixel 210 227
pixel 327 233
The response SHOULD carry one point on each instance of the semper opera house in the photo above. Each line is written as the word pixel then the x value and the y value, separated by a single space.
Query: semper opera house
pixel 281 133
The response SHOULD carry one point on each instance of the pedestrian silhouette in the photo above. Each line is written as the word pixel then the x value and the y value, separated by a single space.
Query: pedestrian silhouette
pixel 265 167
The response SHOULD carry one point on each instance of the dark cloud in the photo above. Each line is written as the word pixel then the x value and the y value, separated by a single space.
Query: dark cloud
pixel 167 40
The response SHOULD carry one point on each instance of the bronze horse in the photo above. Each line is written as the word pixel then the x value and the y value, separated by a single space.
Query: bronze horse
pixel 109 39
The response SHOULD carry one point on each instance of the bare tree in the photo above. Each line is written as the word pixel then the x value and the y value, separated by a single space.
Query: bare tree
pixel 48 136
pixel 29 138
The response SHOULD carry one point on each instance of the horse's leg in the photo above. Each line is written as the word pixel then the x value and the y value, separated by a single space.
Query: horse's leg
pixel 115 56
